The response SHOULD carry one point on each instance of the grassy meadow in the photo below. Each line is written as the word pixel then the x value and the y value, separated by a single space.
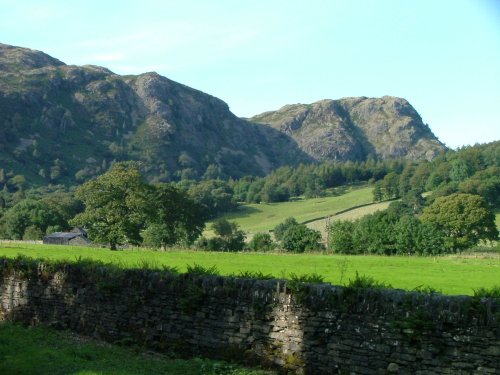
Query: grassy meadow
pixel 449 274
pixel 356 213
pixel 262 217
pixel 44 351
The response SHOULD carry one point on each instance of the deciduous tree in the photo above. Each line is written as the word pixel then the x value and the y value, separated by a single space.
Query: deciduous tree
pixel 116 206
pixel 464 218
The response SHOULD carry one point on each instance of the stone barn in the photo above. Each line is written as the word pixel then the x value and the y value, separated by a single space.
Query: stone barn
pixel 77 236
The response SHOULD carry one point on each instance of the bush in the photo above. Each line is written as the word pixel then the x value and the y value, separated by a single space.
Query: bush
pixel 32 233
pixel 229 237
pixel 261 242
pixel 299 238
pixel 366 282
pixel 280 229
pixel 340 239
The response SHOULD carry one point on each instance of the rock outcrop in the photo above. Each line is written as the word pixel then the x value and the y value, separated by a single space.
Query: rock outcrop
pixel 64 124
pixel 60 123
pixel 354 128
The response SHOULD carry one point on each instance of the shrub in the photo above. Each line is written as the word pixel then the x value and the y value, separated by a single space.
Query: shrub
pixel 299 238
pixel 261 242
pixel 365 282
pixel 280 229
pixel 229 237
pixel 32 233
pixel 340 239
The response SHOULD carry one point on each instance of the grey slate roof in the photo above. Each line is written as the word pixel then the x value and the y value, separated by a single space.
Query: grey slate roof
pixel 67 235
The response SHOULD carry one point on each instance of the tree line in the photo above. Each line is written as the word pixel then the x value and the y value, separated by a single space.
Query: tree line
pixel 469 170
pixel 30 213
pixel 448 225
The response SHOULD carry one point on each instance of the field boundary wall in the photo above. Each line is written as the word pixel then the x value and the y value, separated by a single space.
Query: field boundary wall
pixel 301 328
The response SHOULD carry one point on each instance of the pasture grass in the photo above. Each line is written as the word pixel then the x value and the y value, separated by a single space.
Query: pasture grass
pixel 448 274
pixel 262 217
pixel 44 351
pixel 351 215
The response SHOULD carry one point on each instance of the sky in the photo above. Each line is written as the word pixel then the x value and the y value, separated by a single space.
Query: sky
pixel 259 55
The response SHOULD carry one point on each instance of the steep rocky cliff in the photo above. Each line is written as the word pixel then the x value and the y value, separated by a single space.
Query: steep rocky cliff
pixel 353 128
pixel 59 123
pixel 64 124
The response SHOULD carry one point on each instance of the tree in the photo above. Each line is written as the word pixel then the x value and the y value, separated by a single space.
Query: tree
pixel 405 235
pixel 404 178
pixel 430 240
pixel 18 181
pixel 375 233
pixel 485 183
pixel 29 213
pixel 214 196
pixel 299 238
pixel 377 192
pixel 414 200
pixel 229 237
pixel 459 170
pixel 261 242
pixel 464 218
pixel 281 228
pixel 32 233
pixel 213 172
pixel 390 185
pixel 340 238
pixel 115 206
pixel 174 219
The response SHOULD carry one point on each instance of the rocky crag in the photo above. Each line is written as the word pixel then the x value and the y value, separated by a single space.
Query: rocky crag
pixel 64 124
pixel 354 128
pixel 61 122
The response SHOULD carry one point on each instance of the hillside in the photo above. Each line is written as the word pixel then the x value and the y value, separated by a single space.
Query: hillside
pixel 254 218
pixel 63 123
pixel 354 128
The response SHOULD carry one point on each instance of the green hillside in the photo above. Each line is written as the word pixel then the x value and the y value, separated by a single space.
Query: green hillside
pixel 353 214
pixel 262 217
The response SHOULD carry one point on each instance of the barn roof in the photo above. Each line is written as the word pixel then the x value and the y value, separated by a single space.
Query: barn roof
pixel 67 235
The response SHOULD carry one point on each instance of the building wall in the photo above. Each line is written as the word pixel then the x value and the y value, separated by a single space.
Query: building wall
pixel 314 329
pixel 78 241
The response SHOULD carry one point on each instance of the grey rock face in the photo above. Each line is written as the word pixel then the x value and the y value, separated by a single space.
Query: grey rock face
pixel 75 113
pixel 79 113
pixel 353 128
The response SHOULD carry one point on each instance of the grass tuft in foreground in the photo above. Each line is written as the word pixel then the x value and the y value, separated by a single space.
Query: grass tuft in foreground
pixel 44 351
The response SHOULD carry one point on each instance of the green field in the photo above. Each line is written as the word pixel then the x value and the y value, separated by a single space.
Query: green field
pixel 43 351
pixel 356 213
pixel 262 217
pixel 450 274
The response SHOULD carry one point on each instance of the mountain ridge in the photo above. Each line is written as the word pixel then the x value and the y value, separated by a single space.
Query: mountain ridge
pixel 64 124
pixel 385 127
pixel 88 116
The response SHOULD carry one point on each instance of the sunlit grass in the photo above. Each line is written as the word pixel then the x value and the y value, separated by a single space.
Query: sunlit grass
pixel 356 213
pixel 450 274
pixel 263 217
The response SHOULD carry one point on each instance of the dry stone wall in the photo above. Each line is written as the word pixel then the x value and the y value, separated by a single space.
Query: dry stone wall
pixel 312 329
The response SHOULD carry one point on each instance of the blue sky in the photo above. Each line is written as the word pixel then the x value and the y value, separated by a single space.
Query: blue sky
pixel 442 56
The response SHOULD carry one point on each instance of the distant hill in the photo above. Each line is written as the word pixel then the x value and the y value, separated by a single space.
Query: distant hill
pixel 64 124
pixel 354 128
